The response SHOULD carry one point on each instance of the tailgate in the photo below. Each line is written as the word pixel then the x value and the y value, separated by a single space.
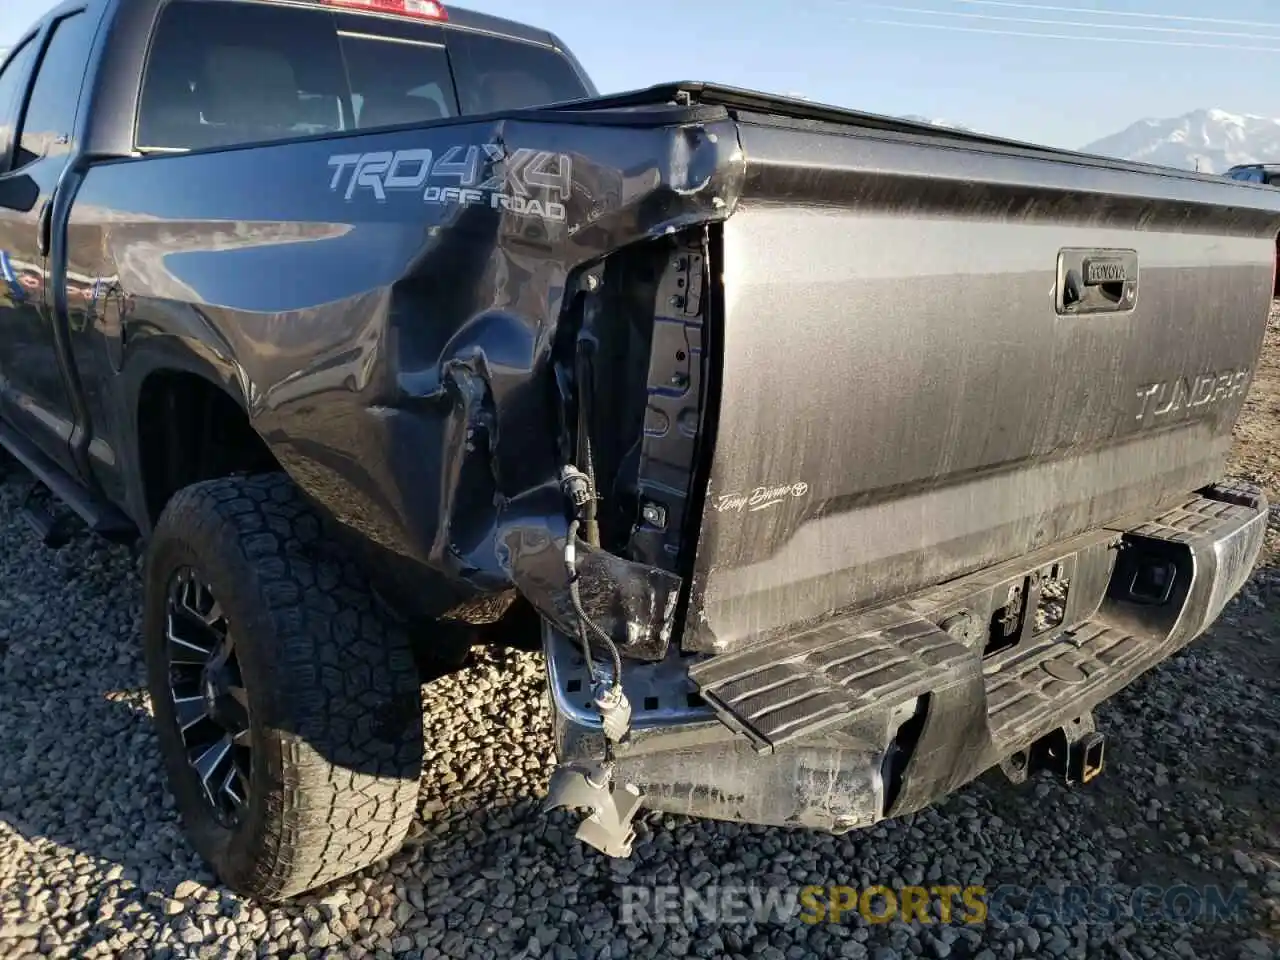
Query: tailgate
pixel 905 396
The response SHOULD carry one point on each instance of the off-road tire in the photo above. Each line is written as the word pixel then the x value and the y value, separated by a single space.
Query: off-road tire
pixel 335 710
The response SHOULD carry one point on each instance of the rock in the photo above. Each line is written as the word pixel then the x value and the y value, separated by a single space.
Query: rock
pixel 1031 937
pixel 1255 950
pixel 335 901
pixel 320 939
pixel 1058 945
pixel 1243 863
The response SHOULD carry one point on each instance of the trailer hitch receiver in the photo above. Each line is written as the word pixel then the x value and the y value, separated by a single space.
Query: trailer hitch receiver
pixel 1086 758
pixel 1075 753
pixel 1074 756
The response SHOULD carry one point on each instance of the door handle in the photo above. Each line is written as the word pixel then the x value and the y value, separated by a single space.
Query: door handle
pixel 44 227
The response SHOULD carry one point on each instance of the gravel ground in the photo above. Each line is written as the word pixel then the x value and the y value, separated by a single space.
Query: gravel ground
pixel 93 864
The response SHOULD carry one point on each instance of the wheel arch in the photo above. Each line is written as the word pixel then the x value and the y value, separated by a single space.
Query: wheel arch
pixel 188 420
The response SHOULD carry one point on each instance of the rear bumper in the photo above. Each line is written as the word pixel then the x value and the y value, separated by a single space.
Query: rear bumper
pixel 881 712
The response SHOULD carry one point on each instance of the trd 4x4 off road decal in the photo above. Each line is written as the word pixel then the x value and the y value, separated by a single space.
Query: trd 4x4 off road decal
pixel 534 183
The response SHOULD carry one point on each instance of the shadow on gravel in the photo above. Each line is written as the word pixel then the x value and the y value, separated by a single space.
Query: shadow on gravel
pixel 1191 795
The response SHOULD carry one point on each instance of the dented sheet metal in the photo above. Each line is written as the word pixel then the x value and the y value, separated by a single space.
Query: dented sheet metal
pixel 632 602
pixel 389 311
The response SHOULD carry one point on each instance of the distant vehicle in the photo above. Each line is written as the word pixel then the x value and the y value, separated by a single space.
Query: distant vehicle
pixel 1266 173
pixel 832 459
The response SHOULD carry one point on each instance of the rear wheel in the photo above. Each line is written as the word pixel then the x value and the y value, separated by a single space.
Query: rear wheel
pixel 286 701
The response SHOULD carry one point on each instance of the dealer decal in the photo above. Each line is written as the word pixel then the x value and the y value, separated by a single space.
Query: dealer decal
pixel 760 498
pixel 533 183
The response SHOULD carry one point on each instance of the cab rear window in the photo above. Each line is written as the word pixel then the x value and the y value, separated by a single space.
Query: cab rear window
pixel 495 74
pixel 231 72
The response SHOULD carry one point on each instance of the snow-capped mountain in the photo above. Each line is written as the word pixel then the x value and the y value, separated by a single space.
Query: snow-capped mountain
pixel 1208 140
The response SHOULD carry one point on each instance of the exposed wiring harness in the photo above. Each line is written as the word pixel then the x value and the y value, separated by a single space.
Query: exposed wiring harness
pixel 577 487
pixel 588 509
pixel 590 784
pixel 608 697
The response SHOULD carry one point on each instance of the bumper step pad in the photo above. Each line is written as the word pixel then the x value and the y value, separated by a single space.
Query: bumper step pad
pixel 863 667
pixel 774 694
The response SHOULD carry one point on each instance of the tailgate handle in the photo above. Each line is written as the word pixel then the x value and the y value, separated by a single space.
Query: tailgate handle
pixel 1096 281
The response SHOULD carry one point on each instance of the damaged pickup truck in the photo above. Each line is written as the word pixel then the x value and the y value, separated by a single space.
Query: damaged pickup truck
pixel 831 459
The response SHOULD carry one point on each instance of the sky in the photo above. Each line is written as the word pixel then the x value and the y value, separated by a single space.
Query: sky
pixel 1060 72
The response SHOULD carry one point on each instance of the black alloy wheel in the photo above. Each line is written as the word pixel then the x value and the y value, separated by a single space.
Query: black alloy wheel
pixel 210 705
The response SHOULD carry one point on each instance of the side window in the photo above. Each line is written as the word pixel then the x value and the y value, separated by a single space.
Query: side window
pixel 226 73
pixel 49 120
pixel 495 73
pixel 12 84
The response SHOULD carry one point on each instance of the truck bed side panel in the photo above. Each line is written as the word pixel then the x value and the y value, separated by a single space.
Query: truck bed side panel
pixel 384 305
